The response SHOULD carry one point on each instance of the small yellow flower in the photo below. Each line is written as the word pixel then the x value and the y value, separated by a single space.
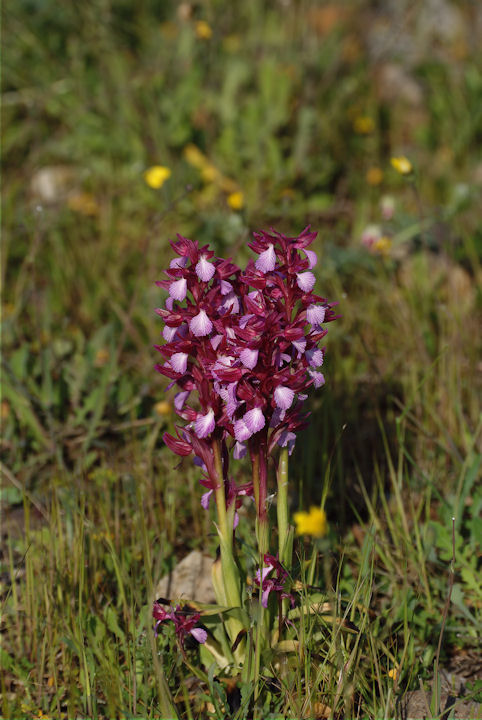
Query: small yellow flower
pixel 4 410
pixel 209 173
pixel 83 203
pixel 156 176
pixel 402 165
pixel 236 200
pixel 101 357
pixel 203 30
pixel 231 43
pixel 195 157
pixel 363 125
pixel 374 176
pixel 163 408
pixel 382 246
pixel 392 673
pixel 311 523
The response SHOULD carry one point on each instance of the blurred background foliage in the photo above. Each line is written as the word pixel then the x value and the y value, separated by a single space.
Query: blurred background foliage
pixel 276 114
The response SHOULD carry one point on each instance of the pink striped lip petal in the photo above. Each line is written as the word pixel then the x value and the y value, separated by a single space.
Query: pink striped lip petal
pixel 283 397
pixel 249 357
pixel 305 281
pixel 204 269
pixel 178 289
pixel 254 420
pixel 179 362
pixel 267 260
pixel 200 324
pixel 315 314
pixel 204 424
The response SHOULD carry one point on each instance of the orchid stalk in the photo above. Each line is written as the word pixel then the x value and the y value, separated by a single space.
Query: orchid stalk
pixel 242 346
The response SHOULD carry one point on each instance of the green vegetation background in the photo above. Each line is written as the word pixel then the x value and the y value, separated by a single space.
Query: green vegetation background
pixel 267 114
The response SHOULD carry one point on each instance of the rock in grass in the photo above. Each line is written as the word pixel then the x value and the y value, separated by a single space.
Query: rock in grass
pixel 189 580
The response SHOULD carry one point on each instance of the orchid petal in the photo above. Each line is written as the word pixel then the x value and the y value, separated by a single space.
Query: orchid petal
pixel 200 324
pixel 305 281
pixel 205 498
pixel 179 362
pixel 199 634
pixel 315 357
pixel 204 424
pixel 181 398
pixel 267 260
pixel 318 378
pixel 283 397
pixel 315 314
pixel 300 345
pixel 249 357
pixel 254 420
pixel 312 257
pixel 168 333
pixel 265 596
pixel 179 262
pixel 178 289
pixel 241 431
pixel 239 450
pixel 204 269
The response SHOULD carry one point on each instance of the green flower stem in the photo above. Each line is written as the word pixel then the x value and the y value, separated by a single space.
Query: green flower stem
pixel 225 528
pixel 282 508
pixel 230 572
pixel 259 475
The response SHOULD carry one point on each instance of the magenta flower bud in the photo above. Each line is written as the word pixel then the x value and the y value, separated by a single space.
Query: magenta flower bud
pixel 283 397
pixel 249 357
pixel 315 357
pixel 318 378
pixel 200 324
pixel 179 362
pixel 312 257
pixel 267 260
pixel 305 281
pixel 315 314
pixel 178 289
pixel 241 431
pixel 204 424
pixel 254 420
pixel 204 269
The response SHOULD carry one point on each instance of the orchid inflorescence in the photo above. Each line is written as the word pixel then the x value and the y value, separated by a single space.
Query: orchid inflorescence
pixel 245 344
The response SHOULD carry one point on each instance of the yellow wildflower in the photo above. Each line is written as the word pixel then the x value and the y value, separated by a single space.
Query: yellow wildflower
pixel 231 43
pixel 101 357
pixel 203 30
pixel 382 246
pixel 156 176
pixel 163 408
pixel 83 203
pixel 209 173
pixel 236 200
pixel 402 165
pixel 311 523
pixel 392 673
pixel 195 157
pixel 374 176
pixel 363 125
